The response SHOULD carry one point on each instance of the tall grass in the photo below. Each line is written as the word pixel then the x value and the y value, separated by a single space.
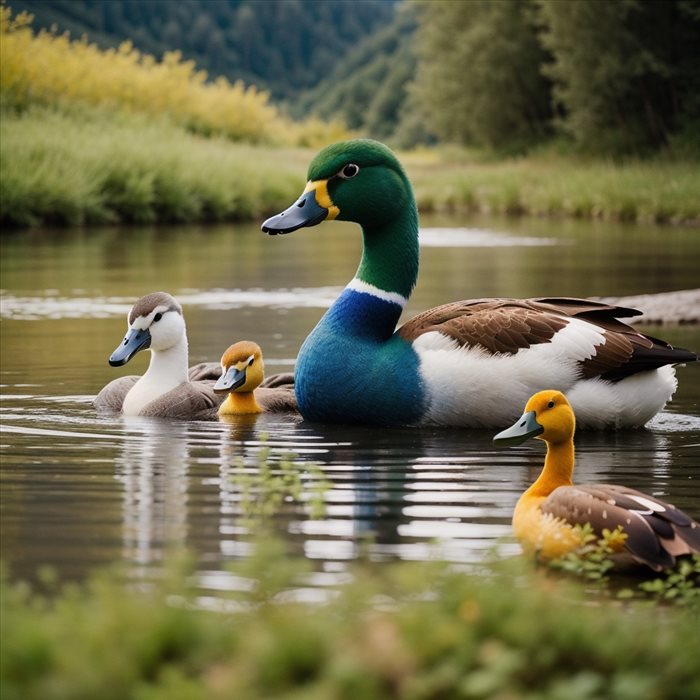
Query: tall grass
pixel 89 165
pixel 68 169
pixel 661 190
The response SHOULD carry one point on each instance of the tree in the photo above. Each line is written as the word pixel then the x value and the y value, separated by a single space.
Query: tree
pixel 369 88
pixel 479 77
pixel 626 73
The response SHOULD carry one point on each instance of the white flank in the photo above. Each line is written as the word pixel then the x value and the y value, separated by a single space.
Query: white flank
pixel 358 285
pixel 473 387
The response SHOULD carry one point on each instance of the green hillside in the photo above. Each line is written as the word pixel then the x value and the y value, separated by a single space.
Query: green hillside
pixel 283 46
pixel 370 87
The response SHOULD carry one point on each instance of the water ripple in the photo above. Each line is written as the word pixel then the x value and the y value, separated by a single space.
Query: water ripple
pixel 31 308
pixel 478 238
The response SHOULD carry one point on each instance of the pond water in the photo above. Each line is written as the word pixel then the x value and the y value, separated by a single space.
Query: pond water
pixel 81 490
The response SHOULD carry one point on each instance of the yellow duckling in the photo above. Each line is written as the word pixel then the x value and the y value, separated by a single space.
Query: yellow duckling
pixel 544 521
pixel 243 373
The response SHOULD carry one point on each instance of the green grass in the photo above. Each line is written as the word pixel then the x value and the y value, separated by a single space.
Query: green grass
pixel 92 167
pixel 560 186
pixel 397 631
pixel 89 166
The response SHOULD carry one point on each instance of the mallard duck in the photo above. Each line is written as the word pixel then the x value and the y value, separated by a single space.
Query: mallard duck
pixel 469 363
pixel 243 372
pixel 547 514
pixel 167 389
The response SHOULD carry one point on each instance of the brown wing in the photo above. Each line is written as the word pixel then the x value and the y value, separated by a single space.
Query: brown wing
pixel 657 532
pixel 496 325
pixel 204 370
pixel 506 326
pixel 284 379
pixel 189 401
pixel 276 400
pixel 111 397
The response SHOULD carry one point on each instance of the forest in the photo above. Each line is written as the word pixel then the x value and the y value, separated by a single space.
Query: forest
pixel 609 78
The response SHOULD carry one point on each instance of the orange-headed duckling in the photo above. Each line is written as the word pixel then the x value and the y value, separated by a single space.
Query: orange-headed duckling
pixel 242 378
pixel 546 515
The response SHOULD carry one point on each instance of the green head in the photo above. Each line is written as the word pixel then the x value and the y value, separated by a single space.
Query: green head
pixel 359 180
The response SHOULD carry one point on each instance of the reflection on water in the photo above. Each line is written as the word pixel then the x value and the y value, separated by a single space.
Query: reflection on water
pixel 152 469
pixel 24 308
pixel 81 490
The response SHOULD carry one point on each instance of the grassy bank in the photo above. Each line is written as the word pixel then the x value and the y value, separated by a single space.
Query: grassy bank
pixel 92 136
pixel 397 631
pixel 87 165
pixel 560 186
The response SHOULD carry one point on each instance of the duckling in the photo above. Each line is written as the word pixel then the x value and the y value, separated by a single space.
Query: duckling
pixel 655 532
pixel 243 372
pixel 469 363
pixel 156 322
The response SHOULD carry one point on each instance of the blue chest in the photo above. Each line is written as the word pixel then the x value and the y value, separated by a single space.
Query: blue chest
pixel 351 369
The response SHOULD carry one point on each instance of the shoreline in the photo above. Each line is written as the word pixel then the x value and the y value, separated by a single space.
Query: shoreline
pixel 681 307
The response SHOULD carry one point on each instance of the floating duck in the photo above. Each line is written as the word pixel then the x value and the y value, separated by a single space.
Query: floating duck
pixel 243 371
pixel 167 389
pixel 469 363
pixel 544 521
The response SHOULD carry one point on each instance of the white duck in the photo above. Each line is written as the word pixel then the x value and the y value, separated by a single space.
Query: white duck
pixel 167 389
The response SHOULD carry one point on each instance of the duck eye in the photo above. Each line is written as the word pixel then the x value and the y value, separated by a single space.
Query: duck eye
pixel 251 359
pixel 550 404
pixel 157 317
pixel 350 170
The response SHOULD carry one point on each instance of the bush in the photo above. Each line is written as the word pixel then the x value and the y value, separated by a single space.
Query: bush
pixel 400 630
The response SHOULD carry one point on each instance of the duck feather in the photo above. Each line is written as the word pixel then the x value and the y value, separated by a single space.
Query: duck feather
pixel 111 397
pixel 656 531
pixel 188 401
pixel 506 326
pixel 277 399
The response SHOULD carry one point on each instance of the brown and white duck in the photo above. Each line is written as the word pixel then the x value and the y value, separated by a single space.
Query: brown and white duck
pixel 469 363
pixel 547 515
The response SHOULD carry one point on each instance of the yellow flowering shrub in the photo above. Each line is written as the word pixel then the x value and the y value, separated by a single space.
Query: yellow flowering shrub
pixel 48 68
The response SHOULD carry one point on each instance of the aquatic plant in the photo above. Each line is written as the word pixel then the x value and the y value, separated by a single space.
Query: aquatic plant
pixel 419 630
pixel 593 563
pixel 267 484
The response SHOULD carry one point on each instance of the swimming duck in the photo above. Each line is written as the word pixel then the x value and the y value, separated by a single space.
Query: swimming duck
pixel 469 363
pixel 545 515
pixel 243 371
pixel 167 390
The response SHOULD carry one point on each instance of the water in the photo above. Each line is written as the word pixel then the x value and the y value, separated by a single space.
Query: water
pixel 81 490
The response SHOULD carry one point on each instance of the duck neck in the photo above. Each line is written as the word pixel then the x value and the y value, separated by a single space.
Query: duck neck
pixel 558 469
pixel 166 371
pixel 168 367
pixel 239 404
pixel 390 254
